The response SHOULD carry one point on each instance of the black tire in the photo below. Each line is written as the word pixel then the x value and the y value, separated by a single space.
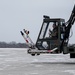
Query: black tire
pixel 38 54
pixel 72 55
pixel 33 54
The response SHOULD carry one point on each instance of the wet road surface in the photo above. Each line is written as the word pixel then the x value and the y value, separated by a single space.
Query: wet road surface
pixel 16 61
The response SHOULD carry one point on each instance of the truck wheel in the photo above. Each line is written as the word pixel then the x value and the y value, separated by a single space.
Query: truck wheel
pixel 38 54
pixel 33 54
pixel 72 55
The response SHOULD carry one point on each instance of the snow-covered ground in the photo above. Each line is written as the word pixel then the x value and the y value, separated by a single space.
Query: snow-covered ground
pixel 16 61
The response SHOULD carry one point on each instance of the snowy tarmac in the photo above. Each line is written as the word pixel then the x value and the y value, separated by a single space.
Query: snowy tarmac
pixel 16 61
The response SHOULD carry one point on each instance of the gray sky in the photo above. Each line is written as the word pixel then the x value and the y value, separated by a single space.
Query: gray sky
pixel 16 15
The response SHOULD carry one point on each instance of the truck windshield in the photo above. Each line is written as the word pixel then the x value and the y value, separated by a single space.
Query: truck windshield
pixel 47 29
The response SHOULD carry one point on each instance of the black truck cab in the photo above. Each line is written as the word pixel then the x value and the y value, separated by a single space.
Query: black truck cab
pixel 45 41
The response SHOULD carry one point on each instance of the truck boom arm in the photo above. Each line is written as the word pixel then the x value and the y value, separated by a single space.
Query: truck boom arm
pixel 69 24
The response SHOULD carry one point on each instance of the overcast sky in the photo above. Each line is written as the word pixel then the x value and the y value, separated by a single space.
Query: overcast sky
pixel 16 15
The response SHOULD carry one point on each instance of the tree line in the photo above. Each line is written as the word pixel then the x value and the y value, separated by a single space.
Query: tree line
pixel 13 45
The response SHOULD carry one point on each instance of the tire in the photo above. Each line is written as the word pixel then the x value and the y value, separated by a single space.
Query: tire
pixel 38 54
pixel 72 55
pixel 33 54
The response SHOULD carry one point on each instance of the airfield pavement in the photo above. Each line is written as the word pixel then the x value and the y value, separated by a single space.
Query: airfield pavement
pixel 16 61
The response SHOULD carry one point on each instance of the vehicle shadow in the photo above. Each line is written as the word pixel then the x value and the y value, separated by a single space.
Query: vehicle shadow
pixel 67 63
